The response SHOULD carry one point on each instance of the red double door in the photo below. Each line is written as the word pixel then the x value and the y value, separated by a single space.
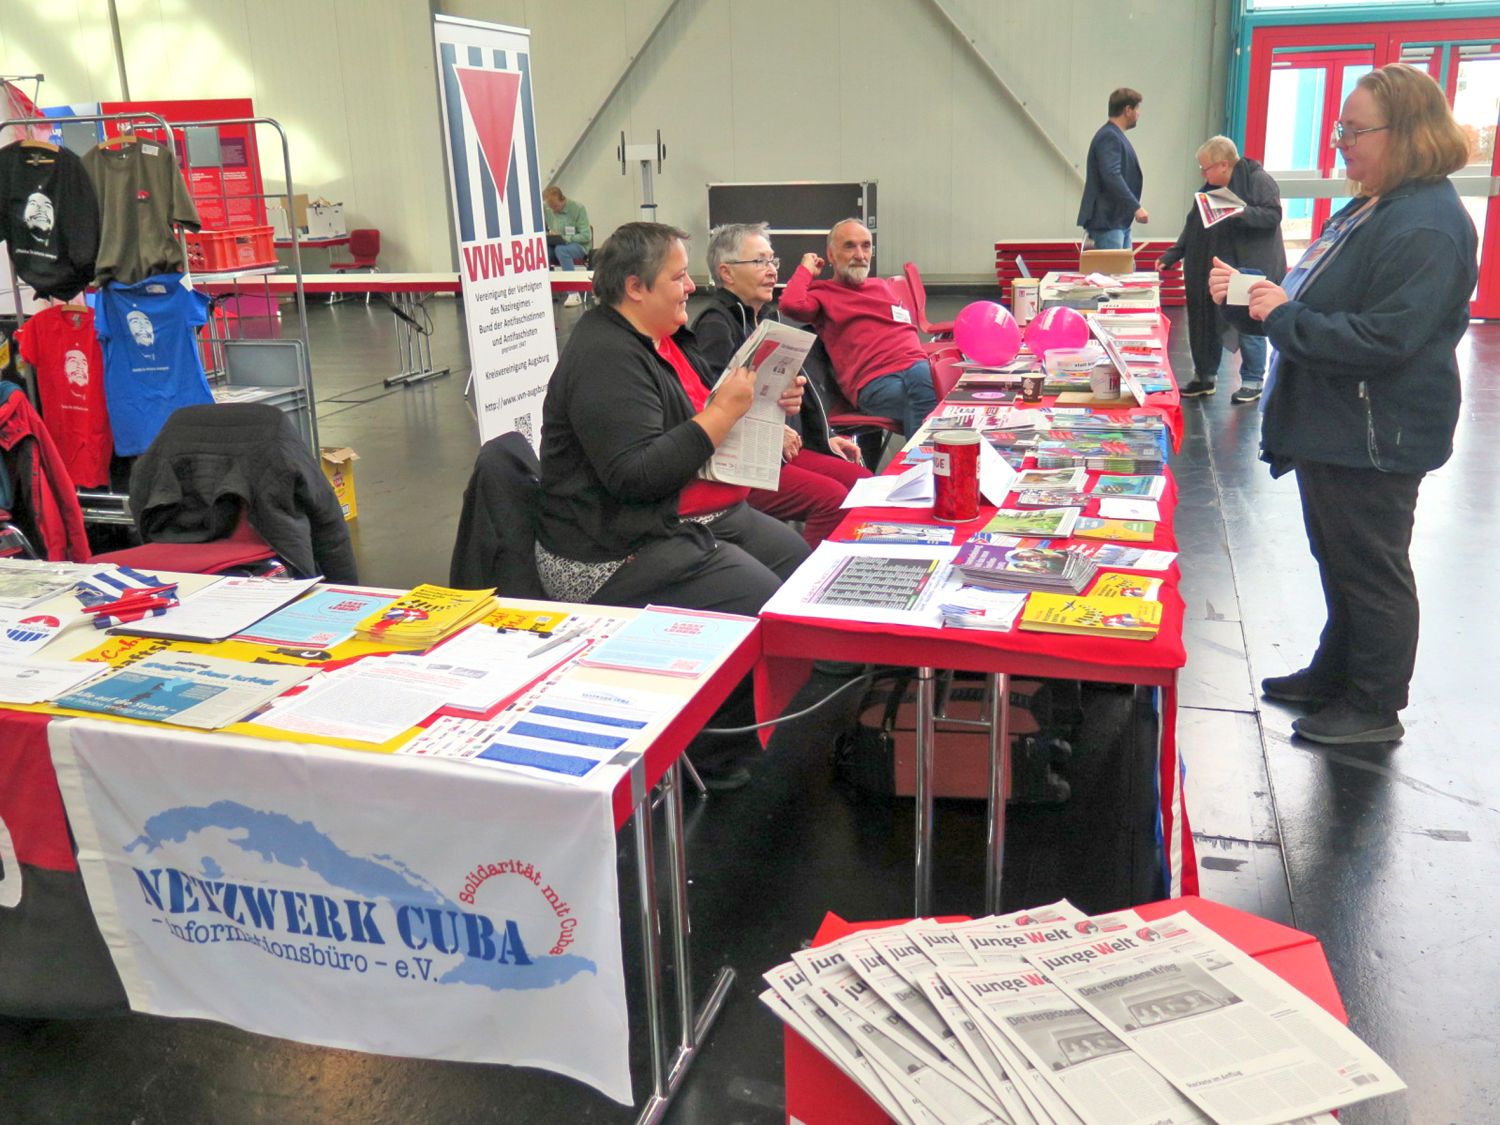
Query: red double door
pixel 1300 75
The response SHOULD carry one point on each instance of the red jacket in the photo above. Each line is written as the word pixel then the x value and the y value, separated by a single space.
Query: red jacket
pixel 858 324
pixel 44 489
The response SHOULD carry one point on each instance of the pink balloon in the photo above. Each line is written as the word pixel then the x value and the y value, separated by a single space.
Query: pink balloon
pixel 987 333
pixel 1056 329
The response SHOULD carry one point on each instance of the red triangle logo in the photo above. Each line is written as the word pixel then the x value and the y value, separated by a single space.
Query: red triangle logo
pixel 491 96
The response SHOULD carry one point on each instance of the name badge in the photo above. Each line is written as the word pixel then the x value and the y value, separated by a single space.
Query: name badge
pixel 900 315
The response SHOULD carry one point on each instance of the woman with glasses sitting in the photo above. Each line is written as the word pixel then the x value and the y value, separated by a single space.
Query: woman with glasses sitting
pixel 1362 398
pixel 818 468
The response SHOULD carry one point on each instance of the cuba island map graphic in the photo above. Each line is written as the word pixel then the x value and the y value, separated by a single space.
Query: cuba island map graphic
pixel 384 913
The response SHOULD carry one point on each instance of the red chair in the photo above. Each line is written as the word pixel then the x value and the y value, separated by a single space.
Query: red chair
pixel 941 329
pixel 364 245
pixel 945 370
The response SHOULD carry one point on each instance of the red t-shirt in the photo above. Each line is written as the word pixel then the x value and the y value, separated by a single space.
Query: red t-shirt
pixel 698 496
pixel 60 343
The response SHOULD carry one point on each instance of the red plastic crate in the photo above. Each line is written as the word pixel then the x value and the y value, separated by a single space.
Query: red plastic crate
pixel 234 248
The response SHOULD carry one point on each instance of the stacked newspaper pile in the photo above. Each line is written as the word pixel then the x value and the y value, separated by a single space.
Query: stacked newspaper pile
pixel 1024 568
pixel 1051 1016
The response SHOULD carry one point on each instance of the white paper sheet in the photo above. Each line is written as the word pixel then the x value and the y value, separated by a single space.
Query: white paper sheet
pixel 229 606
pixel 912 489
pixel 807 592
pixel 25 679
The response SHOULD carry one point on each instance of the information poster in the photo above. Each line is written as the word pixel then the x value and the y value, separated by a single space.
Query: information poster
pixel 489 134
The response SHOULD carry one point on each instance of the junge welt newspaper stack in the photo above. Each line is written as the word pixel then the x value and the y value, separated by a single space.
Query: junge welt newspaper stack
pixel 1051 1016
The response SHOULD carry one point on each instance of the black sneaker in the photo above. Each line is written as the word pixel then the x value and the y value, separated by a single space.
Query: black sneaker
pixel 1247 393
pixel 1197 389
pixel 1299 687
pixel 1342 724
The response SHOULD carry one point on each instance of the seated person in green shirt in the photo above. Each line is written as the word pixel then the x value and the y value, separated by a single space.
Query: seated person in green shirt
pixel 569 236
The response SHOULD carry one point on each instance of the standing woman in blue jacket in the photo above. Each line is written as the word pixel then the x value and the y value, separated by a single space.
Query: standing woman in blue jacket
pixel 1362 398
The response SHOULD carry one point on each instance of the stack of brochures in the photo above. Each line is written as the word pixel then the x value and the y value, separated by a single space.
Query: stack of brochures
pixel 974 607
pixel 1024 568
pixel 425 616
pixel 1049 1015
pixel 886 531
pixel 1100 453
pixel 671 642
pixel 1133 619
pixel 1044 522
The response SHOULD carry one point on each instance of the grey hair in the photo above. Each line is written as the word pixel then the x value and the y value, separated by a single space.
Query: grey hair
pixel 1219 148
pixel 724 244
pixel 634 250
pixel 841 223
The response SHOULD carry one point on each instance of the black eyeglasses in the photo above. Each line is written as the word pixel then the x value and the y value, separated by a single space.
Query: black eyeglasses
pixel 758 263
pixel 1341 133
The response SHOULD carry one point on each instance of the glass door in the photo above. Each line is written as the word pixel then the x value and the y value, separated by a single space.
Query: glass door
pixel 1307 87
pixel 1469 73
pixel 1298 77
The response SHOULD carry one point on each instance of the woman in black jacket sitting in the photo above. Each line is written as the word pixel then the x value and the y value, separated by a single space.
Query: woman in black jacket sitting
pixel 626 427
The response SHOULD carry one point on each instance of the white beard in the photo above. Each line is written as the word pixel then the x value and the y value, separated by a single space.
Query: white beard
pixel 857 275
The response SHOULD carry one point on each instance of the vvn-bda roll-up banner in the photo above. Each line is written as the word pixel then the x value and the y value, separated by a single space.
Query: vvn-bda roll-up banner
pixel 489 134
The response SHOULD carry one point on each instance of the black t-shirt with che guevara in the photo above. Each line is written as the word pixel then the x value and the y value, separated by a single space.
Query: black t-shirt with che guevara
pixel 49 217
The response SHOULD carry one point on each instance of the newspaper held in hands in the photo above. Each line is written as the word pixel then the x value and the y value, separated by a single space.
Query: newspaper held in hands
pixel 751 454
pixel 1217 205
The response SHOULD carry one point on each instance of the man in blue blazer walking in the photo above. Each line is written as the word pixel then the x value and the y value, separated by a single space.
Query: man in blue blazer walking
pixel 1112 189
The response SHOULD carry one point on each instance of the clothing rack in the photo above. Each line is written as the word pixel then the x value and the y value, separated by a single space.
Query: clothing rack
pixel 109 507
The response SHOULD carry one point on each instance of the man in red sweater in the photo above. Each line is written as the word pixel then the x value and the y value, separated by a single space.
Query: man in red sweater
pixel 876 352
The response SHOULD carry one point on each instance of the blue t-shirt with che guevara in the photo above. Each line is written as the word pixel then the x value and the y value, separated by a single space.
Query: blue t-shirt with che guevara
pixel 151 360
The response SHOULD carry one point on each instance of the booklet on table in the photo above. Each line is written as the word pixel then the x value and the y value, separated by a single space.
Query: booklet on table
pixel 671 641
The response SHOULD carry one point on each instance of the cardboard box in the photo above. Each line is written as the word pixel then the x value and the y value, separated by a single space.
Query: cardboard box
pixel 338 467
pixel 326 220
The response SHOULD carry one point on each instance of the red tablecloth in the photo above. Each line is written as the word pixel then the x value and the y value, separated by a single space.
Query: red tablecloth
pixel 791 643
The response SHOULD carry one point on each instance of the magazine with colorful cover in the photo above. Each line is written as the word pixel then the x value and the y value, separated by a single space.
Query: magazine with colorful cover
pixel 1115 585
pixel 1044 522
pixel 1147 487
pixel 1127 618
pixel 207 692
pixel 1121 531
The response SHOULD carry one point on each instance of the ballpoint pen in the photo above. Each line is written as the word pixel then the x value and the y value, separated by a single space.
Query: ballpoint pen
pixel 555 641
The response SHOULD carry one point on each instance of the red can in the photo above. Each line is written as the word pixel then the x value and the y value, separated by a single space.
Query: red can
pixel 955 476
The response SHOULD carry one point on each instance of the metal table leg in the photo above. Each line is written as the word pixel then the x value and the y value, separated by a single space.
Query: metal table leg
pixel 999 724
pixel 645 866
pixel 926 737
pixel 413 349
pixel 694 1021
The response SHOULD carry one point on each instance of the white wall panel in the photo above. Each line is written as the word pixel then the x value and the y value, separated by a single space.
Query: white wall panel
pixel 741 90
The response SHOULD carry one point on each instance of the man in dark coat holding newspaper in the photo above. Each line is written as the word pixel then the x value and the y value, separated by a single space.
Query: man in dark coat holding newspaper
pixel 1249 240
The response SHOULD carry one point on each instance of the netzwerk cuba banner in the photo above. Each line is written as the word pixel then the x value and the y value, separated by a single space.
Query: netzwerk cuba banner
pixel 376 903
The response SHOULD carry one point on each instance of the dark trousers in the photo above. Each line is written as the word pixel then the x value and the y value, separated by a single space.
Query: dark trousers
pixel 1359 524
pixel 749 557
